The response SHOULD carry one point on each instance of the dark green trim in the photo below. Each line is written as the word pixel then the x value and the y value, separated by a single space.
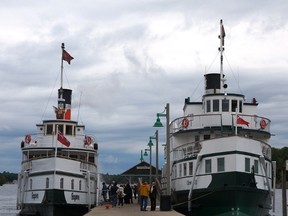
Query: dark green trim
pixel 221 154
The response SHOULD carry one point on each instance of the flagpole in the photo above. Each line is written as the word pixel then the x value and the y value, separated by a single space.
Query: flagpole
pixel 63 47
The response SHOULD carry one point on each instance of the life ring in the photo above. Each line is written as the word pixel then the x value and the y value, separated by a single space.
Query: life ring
pixel 263 124
pixel 27 139
pixel 185 122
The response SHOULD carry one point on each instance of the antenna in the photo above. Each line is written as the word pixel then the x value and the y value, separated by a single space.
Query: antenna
pixel 79 106
pixel 221 49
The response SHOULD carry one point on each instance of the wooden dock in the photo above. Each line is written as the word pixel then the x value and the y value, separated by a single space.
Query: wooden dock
pixel 128 210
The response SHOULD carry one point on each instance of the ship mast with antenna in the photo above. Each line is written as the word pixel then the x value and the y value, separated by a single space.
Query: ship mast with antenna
pixel 63 111
pixel 221 49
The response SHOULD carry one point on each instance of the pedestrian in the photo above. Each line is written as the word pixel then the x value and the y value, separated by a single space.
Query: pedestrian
pixel 135 190
pixel 104 192
pixel 120 195
pixel 144 193
pixel 153 196
pixel 128 192
pixel 113 193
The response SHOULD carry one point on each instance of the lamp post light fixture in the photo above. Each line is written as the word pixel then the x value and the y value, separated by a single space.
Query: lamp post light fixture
pixel 151 143
pixel 141 157
pixel 159 124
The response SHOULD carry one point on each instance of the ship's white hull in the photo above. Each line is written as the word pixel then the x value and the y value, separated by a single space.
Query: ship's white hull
pixel 51 186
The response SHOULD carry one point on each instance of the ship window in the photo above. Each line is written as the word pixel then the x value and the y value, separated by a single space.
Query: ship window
pixel 208 106
pixel 256 166
pixel 206 136
pixel 49 129
pixel 69 130
pixel 80 185
pixel 234 105
pixel 60 128
pixel 190 168
pixel 61 183
pixel 208 166
pixel 72 184
pixel 225 105
pixel 185 169
pixel 47 182
pixel 31 184
pixel 247 164
pixel 240 106
pixel 180 170
pixel 175 171
pixel 215 105
pixel 220 164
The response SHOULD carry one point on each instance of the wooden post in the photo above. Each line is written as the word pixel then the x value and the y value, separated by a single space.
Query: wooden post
pixel 284 198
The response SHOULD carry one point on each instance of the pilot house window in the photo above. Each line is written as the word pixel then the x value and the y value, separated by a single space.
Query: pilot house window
pixel 49 129
pixel 208 106
pixel 225 105
pixel 215 105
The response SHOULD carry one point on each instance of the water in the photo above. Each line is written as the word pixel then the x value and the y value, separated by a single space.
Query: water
pixel 8 196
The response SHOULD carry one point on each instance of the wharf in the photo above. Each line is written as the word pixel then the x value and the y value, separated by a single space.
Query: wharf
pixel 129 209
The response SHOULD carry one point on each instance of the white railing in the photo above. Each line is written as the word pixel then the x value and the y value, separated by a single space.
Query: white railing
pixel 252 122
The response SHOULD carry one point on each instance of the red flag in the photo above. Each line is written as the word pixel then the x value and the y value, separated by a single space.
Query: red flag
pixel 63 139
pixel 242 121
pixel 66 56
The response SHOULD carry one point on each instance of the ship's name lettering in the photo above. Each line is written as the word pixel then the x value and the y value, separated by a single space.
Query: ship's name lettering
pixel 75 197
pixel 189 182
pixel 35 196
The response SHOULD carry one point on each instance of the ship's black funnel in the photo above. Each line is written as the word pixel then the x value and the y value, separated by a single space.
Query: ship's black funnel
pixel 212 84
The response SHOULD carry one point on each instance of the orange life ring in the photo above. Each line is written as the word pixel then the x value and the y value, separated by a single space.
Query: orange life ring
pixel 185 122
pixel 263 124
pixel 27 139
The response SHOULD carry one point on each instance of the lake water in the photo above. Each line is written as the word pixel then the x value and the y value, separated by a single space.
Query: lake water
pixel 8 196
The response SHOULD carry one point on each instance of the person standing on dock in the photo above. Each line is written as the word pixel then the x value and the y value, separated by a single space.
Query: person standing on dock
pixel 113 192
pixel 104 191
pixel 153 195
pixel 144 193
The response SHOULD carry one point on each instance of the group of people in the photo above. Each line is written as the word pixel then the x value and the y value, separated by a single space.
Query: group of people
pixel 117 194
pixel 146 191
pixel 123 194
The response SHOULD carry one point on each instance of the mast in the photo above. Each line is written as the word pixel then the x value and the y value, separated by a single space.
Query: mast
pixel 62 58
pixel 221 49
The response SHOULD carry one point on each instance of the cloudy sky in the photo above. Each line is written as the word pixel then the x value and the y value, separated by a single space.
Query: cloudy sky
pixel 130 59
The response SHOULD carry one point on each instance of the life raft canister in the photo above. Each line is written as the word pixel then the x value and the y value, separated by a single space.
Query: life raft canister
pixel 263 124
pixel 87 140
pixel 185 122
pixel 27 139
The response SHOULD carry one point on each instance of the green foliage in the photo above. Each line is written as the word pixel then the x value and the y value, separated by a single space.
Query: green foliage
pixel 280 156
pixel 7 177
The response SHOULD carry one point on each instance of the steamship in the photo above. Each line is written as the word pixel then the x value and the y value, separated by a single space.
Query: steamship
pixel 221 156
pixel 59 164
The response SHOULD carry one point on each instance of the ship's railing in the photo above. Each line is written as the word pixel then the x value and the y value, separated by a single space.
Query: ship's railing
pixel 192 122
pixel 88 167
pixel 187 150
pixel 27 165
pixel 40 140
